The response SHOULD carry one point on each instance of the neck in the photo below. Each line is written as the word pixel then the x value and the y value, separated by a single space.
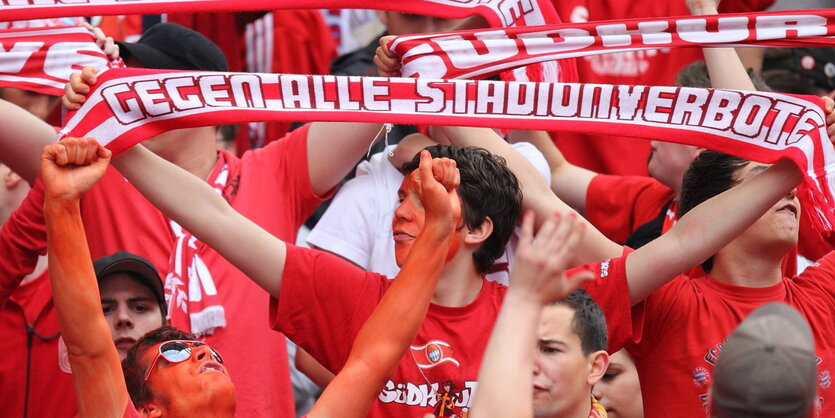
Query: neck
pixel 208 411
pixel 199 162
pixel 735 266
pixel 460 283
pixel 580 410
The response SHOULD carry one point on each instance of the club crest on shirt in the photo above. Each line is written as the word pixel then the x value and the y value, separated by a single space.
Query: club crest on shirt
pixel 433 353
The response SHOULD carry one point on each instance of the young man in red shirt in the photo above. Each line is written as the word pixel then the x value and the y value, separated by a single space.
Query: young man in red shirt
pixel 168 373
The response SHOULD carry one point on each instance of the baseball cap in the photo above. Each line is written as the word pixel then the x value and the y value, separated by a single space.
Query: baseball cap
pixel 815 64
pixel 170 46
pixel 767 367
pixel 140 269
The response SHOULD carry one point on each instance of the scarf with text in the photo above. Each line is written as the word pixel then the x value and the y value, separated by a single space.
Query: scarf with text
pixel 497 13
pixel 41 59
pixel 190 289
pixel 130 105
pixel 484 52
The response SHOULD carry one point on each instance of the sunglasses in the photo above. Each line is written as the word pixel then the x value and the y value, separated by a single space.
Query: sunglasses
pixel 178 351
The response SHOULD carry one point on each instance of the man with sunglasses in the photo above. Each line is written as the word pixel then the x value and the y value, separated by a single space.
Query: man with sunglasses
pixel 184 377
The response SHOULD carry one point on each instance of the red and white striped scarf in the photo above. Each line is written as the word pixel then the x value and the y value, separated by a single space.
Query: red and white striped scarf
pixel 190 289
pixel 42 59
pixel 497 13
pixel 130 105
pixel 484 52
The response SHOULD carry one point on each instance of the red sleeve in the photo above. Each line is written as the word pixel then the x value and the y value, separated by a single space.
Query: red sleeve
pixel 283 165
pixel 611 292
pixel 22 240
pixel 821 276
pixel 617 205
pixel 323 303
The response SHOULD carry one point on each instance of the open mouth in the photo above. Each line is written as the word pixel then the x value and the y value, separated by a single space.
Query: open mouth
pixel 789 207
pixel 210 366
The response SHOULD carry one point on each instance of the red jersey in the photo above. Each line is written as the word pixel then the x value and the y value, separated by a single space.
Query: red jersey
pixel 623 155
pixel 617 205
pixel 29 342
pixel 679 332
pixel 325 300
pixel 271 187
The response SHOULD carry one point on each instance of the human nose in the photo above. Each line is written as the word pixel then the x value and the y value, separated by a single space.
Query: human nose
pixel 793 193
pixel 123 318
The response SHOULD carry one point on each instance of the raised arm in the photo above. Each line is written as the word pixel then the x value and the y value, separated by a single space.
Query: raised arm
pixel 537 278
pixel 69 169
pixel 22 137
pixel 536 193
pixel 385 336
pixel 700 233
pixel 723 64
pixel 568 181
pixel 177 193
pixel 333 148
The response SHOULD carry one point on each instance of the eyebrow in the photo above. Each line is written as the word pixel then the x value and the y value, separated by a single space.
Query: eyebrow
pixel 544 341
pixel 136 299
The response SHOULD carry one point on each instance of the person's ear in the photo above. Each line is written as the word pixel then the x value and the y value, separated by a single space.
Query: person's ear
pixel 11 179
pixel 150 410
pixel 480 233
pixel 598 363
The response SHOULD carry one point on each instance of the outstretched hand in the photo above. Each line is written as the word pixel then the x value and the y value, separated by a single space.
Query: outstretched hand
pixel 436 180
pixel 72 166
pixel 540 262
pixel 703 7
pixel 76 91
pixel 387 62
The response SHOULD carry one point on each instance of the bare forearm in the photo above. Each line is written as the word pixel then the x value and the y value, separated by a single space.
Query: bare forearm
pixel 699 234
pixel 22 137
pixel 723 64
pixel 386 334
pixel 100 385
pixel 504 381
pixel 333 149
pixel 195 206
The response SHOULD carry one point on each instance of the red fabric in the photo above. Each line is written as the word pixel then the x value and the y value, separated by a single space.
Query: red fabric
pixel 675 363
pixel 617 205
pixel 604 154
pixel 273 190
pixel 325 300
pixel 131 412
pixel 51 391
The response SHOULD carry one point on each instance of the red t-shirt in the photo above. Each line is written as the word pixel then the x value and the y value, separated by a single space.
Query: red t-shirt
pixel 50 391
pixel 617 205
pixel 679 331
pixel 269 186
pixel 623 155
pixel 325 300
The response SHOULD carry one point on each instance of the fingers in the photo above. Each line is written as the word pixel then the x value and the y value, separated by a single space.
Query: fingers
pixel 75 92
pixel 425 172
pixel 446 172
pixel 829 108
pixel 77 151
pixel 526 236
pixel 387 62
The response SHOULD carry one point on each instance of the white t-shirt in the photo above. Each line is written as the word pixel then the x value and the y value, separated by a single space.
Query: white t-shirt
pixel 357 225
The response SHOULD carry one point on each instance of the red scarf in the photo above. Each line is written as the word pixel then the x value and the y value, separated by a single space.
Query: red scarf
pixel 130 105
pixel 484 52
pixel 42 59
pixel 190 289
pixel 497 13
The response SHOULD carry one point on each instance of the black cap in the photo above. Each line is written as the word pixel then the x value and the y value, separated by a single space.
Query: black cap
pixel 139 268
pixel 169 46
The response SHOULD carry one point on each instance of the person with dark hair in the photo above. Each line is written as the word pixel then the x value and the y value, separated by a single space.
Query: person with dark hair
pixel 168 372
pixel 312 290
pixel 566 325
pixel 277 186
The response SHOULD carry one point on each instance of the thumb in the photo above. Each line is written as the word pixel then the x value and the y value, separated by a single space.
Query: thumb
pixel 576 280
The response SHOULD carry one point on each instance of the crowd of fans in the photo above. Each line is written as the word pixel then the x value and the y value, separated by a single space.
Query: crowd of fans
pixel 284 269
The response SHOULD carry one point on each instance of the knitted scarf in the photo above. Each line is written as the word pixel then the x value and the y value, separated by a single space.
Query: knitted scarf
pixel 130 105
